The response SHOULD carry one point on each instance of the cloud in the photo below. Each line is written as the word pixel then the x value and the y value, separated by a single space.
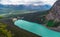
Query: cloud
pixel 36 2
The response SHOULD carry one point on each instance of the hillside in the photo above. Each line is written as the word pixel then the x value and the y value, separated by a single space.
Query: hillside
pixel 53 17
pixel 54 13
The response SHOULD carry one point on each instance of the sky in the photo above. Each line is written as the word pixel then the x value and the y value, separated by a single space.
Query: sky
pixel 26 2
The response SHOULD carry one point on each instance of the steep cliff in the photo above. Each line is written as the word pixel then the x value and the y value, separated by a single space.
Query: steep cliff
pixel 54 13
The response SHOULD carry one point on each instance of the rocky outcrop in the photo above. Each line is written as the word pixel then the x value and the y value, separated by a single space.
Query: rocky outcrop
pixel 54 13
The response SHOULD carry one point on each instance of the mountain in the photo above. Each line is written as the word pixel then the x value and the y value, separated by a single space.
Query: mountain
pixel 39 7
pixel 21 9
pixel 26 7
pixel 54 13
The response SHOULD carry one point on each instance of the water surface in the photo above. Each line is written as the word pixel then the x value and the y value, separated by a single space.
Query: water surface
pixel 36 28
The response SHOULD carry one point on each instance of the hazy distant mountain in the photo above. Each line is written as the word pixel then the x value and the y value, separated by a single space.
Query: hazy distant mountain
pixel 26 7
pixel 21 9
pixel 39 7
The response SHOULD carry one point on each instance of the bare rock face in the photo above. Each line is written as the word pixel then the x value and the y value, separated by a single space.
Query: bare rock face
pixel 54 13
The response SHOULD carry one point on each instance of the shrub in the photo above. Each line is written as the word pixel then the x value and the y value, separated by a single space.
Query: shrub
pixel 50 23
pixel 3 31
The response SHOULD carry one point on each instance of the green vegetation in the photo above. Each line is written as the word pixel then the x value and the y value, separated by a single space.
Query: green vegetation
pixel 3 31
pixel 56 24
pixel 1 17
pixel 50 23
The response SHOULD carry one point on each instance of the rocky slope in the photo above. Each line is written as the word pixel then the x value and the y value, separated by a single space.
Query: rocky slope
pixel 54 13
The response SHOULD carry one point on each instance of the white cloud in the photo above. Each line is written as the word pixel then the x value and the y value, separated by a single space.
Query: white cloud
pixel 17 2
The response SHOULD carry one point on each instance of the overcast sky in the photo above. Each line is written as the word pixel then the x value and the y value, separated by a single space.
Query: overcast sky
pixel 35 2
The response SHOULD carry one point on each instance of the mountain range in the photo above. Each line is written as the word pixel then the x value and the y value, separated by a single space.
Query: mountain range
pixel 26 7
pixel 21 9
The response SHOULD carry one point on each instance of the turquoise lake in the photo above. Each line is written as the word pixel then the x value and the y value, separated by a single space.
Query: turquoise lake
pixel 36 28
